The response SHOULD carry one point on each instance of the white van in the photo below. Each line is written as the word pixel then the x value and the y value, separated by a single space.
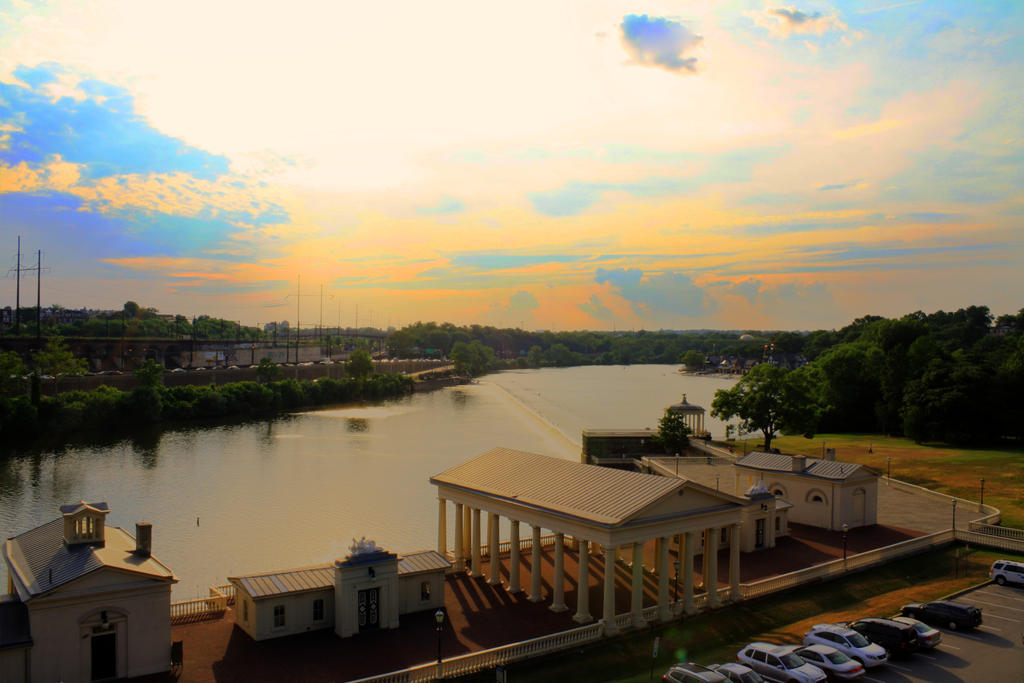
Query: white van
pixel 1006 571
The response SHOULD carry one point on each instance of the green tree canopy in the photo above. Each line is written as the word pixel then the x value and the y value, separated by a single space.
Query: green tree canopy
pixel 770 399
pixel 150 374
pixel 360 364
pixel 267 370
pixel 474 358
pixel 57 360
pixel 12 372
pixel 693 359
pixel 673 433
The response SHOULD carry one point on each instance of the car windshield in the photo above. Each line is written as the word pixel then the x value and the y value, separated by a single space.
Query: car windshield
pixel 751 677
pixel 921 628
pixel 791 661
pixel 857 640
pixel 838 658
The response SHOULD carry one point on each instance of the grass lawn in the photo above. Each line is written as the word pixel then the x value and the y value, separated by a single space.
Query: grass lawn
pixel 783 618
pixel 954 471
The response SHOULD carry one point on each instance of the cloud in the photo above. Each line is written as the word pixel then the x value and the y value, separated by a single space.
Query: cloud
pixel 100 131
pixel 668 292
pixel 659 42
pixel 595 309
pixel 447 205
pixel 784 298
pixel 783 22
pixel 522 301
pixel 572 199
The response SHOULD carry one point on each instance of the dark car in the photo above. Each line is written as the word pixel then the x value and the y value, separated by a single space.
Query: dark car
pixel 896 638
pixel 944 613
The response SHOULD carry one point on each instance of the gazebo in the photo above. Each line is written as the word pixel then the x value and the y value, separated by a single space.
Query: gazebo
pixel 693 414
pixel 600 510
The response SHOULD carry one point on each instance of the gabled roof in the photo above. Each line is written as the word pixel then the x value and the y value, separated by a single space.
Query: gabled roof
pixel 41 562
pixel 299 580
pixel 424 561
pixel 813 467
pixel 596 494
pixel 74 508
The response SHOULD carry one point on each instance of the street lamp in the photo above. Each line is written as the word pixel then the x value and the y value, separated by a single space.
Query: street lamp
pixel 439 618
pixel 983 490
pixel 888 467
pixel 252 350
pixel 954 514
pixel 846 528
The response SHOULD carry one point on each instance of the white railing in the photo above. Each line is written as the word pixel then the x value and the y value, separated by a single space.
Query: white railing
pixel 991 541
pixel 498 656
pixel 993 530
pixel 217 603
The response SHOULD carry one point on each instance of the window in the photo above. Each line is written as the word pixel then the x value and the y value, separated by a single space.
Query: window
pixel 778 492
pixel 245 611
pixel 278 616
pixel 425 590
pixel 318 609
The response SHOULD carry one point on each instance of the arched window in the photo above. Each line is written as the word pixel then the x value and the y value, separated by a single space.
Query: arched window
pixel 816 496
pixel 777 489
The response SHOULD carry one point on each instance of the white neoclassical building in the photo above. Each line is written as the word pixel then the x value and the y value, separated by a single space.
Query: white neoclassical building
pixel 823 492
pixel 85 601
pixel 598 510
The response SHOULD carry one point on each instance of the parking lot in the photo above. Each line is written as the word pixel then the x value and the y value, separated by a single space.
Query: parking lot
pixel 992 652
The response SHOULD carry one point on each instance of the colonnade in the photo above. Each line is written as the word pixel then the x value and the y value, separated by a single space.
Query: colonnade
pixel 467 554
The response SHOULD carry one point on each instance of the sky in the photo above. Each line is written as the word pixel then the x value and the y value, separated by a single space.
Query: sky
pixel 544 165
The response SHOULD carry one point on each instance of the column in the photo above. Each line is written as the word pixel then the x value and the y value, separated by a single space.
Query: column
pixel 705 557
pixel 535 575
pixel 492 549
pixel 513 559
pixel 637 605
pixel 734 564
pixel 583 585
pixel 608 608
pixel 711 582
pixel 658 568
pixel 475 544
pixel 467 531
pixel 558 583
pixel 689 607
pixel 442 526
pixel 460 541
pixel 663 611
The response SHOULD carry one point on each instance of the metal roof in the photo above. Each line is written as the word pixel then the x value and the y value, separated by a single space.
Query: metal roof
pixel 299 580
pixel 42 562
pixel 813 467
pixel 685 406
pixel 82 505
pixel 596 494
pixel 425 561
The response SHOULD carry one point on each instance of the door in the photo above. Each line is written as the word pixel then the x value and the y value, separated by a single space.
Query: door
pixel 858 508
pixel 369 609
pixel 759 533
pixel 104 656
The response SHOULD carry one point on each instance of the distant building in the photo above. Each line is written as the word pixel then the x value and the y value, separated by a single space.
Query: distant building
pixel 85 601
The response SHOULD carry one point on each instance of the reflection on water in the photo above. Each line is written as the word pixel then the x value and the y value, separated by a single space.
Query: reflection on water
pixel 294 490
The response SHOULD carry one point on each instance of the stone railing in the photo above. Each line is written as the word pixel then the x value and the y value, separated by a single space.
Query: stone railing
pixel 1011 543
pixel 201 608
pixel 982 527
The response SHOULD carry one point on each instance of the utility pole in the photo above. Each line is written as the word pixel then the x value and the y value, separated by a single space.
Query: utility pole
pixel 39 305
pixel 298 307
pixel 321 329
pixel 17 295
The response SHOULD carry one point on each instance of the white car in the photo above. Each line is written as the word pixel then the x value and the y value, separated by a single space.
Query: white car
pixel 737 672
pixel 833 662
pixel 1006 571
pixel 849 642
pixel 778 663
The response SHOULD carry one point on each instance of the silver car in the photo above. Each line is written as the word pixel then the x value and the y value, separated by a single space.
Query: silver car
pixel 849 642
pixel 737 672
pixel 927 636
pixel 833 662
pixel 778 663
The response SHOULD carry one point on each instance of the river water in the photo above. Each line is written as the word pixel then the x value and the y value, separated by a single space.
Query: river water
pixel 294 490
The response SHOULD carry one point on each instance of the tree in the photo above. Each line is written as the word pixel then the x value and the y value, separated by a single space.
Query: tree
pixel 673 433
pixel 150 374
pixel 693 359
pixel 131 309
pixel 360 364
pixel 12 373
pixel 770 399
pixel 57 360
pixel 267 370
pixel 473 358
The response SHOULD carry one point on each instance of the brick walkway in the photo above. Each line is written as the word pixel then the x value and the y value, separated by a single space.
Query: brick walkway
pixel 479 616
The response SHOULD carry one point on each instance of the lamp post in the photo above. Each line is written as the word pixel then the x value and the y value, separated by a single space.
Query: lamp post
pixel 439 618
pixel 888 467
pixel 954 514
pixel 983 490
pixel 252 350
pixel 846 528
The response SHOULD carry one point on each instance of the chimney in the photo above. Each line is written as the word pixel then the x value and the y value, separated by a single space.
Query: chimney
pixel 143 539
pixel 830 454
pixel 799 463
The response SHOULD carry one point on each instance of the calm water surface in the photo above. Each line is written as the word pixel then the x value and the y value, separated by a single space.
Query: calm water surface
pixel 295 490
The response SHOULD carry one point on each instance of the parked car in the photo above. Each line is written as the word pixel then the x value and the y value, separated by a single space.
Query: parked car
pixel 896 638
pixel 849 642
pixel 834 663
pixel 927 636
pixel 1006 571
pixel 778 663
pixel 737 673
pixel 945 613
pixel 692 673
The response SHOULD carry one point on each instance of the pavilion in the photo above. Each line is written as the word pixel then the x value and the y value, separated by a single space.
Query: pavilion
pixel 596 509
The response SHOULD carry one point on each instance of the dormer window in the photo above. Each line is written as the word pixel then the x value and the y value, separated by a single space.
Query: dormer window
pixel 84 522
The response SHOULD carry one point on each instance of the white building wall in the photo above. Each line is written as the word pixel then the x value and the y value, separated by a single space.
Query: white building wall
pixel 298 613
pixel 62 627
pixel 14 665
pixel 836 507
pixel 410 589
